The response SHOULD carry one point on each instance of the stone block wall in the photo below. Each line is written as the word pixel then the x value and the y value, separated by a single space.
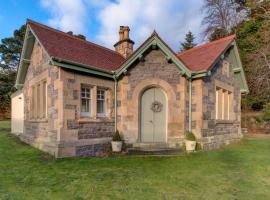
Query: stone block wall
pixel 197 107
pixel 84 136
pixel 64 133
pixel 41 133
pixel 216 133
pixel 154 71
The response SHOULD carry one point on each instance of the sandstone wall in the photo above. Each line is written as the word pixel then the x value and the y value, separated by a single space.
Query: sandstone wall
pixel 154 71
pixel 41 133
pixel 84 136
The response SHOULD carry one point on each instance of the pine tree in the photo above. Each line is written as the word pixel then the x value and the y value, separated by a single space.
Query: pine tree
pixel 10 50
pixel 189 42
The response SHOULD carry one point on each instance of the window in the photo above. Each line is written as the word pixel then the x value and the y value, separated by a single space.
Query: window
pixel 38 104
pixel 100 103
pixel 223 104
pixel 32 106
pixel 93 101
pixel 85 101
pixel 44 100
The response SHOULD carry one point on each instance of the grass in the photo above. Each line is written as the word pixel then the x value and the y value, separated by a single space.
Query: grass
pixel 236 172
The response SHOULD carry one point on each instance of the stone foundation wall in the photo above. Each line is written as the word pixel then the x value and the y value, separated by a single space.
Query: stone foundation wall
pixel 93 150
pixel 40 136
pixel 95 130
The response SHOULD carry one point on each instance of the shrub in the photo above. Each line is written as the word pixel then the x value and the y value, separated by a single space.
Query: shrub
pixel 253 103
pixel 191 136
pixel 116 136
pixel 259 119
pixel 198 147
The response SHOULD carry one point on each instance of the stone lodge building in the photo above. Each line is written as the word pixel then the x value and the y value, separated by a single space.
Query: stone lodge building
pixel 73 94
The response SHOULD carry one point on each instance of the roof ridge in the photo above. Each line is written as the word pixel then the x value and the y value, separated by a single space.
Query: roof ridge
pixel 207 44
pixel 71 36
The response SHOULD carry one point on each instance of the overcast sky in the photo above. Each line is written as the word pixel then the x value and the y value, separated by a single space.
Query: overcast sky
pixel 99 20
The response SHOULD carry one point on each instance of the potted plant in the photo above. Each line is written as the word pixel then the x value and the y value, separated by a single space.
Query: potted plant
pixel 116 142
pixel 190 142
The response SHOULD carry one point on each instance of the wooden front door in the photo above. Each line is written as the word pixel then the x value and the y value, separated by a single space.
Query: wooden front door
pixel 153 116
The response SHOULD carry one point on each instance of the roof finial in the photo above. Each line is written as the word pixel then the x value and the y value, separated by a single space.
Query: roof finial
pixel 154 33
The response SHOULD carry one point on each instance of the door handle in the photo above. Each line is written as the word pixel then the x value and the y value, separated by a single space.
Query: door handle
pixel 151 121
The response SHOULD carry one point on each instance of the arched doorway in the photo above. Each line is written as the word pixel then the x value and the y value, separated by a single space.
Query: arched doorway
pixel 153 116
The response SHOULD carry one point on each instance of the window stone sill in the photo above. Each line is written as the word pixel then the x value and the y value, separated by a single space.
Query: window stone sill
pixel 83 120
pixel 38 120
pixel 224 121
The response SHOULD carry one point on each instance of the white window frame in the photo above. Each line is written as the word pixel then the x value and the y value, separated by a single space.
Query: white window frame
pixel 217 103
pixel 46 101
pixel 223 104
pixel 103 114
pixel 85 114
pixel 229 104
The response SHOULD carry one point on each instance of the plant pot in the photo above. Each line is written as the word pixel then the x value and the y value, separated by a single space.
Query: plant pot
pixel 190 145
pixel 117 146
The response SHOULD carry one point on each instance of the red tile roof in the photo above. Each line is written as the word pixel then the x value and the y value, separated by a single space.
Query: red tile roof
pixel 202 57
pixel 62 45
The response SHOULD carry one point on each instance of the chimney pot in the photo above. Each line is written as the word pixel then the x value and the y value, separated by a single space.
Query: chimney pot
pixel 125 45
pixel 126 32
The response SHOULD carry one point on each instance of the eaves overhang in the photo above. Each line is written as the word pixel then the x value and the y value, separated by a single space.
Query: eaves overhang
pixel 81 67
pixel 28 44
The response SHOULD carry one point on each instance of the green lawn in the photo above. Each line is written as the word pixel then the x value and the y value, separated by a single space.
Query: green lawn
pixel 236 172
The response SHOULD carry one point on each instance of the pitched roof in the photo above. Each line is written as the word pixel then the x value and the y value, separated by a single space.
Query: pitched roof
pixel 202 57
pixel 62 45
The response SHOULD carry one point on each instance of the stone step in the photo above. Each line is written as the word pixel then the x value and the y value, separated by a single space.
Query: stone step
pixel 154 151
pixel 150 145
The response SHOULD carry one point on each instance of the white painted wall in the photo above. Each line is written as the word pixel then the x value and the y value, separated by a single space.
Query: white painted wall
pixel 17 112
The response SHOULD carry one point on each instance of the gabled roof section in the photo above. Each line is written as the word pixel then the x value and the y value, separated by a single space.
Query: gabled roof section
pixel 238 69
pixel 153 40
pixel 70 48
pixel 25 57
pixel 202 57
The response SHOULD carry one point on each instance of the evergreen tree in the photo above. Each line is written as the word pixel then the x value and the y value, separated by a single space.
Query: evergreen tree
pixel 189 42
pixel 10 50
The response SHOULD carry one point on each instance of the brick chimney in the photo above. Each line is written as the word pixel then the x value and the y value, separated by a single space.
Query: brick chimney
pixel 125 45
